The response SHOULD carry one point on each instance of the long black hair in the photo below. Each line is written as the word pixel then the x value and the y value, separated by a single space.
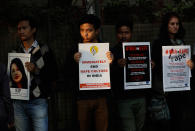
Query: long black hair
pixel 20 66
pixel 164 34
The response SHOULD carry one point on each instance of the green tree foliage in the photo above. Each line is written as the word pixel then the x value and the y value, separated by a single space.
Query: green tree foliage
pixel 145 11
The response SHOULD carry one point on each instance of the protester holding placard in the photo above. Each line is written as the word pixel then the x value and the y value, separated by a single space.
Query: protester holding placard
pixel 32 114
pixel 171 34
pixel 91 104
pixel 130 104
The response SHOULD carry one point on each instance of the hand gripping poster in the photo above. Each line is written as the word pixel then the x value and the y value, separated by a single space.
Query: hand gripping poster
pixel 137 71
pixel 176 73
pixel 19 76
pixel 94 69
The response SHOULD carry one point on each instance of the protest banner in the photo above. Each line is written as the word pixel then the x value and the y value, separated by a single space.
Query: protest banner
pixel 176 73
pixel 94 69
pixel 137 72
pixel 19 76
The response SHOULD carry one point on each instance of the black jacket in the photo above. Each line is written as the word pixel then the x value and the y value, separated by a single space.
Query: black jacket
pixel 46 75
pixel 117 78
pixel 157 75
pixel 73 72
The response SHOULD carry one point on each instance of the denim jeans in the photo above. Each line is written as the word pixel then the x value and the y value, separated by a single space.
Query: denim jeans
pixel 31 115
pixel 131 113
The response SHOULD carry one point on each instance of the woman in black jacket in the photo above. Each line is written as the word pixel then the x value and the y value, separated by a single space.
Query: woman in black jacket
pixel 171 34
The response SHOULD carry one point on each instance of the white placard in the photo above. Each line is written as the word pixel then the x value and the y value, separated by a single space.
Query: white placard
pixel 176 73
pixel 19 76
pixel 94 70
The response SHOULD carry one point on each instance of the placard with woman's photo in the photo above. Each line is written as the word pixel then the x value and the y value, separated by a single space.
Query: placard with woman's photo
pixel 19 77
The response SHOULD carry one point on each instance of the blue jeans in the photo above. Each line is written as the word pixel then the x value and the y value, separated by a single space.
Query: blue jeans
pixel 31 115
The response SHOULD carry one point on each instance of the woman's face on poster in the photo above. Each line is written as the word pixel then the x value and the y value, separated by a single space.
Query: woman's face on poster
pixel 16 73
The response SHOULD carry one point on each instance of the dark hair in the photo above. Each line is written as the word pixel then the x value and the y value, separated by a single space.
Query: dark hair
pixel 124 22
pixel 91 19
pixel 164 34
pixel 30 19
pixel 20 66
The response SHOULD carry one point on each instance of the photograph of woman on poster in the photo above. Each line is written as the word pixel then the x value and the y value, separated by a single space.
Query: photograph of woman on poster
pixel 18 76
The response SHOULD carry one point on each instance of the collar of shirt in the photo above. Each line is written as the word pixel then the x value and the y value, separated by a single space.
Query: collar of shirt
pixel 34 45
pixel 177 42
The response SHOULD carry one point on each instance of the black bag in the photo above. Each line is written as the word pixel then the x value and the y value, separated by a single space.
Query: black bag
pixel 158 109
